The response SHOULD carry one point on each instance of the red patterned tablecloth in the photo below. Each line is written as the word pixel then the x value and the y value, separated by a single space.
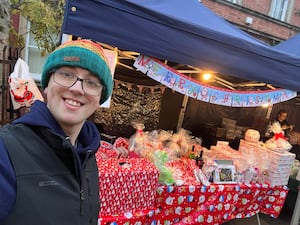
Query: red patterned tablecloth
pixel 214 204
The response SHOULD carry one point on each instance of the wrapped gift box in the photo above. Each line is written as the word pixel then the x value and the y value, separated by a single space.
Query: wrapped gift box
pixel 277 164
pixel 277 181
pixel 284 158
pixel 280 167
pixel 126 185
pixel 280 170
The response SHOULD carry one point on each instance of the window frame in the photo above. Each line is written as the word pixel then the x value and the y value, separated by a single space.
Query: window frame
pixel 238 2
pixel 280 10
pixel 29 47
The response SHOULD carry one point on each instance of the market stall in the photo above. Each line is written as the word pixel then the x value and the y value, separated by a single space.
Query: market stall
pixel 202 40
pixel 144 185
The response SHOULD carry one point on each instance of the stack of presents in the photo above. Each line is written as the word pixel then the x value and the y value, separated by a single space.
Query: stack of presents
pixel 132 171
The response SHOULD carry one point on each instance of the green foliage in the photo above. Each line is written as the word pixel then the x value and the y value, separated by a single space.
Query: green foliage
pixel 17 40
pixel 45 18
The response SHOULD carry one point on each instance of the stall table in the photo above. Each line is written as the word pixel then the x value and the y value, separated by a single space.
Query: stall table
pixel 199 204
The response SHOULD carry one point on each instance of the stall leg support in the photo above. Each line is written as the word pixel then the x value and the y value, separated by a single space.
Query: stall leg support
pixel 258 219
pixel 296 212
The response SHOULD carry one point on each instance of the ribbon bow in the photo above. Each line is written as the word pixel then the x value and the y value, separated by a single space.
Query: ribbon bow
pixel 279 135
pixel 140 132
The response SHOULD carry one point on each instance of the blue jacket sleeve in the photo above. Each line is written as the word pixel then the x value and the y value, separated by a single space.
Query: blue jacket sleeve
pixel 7 183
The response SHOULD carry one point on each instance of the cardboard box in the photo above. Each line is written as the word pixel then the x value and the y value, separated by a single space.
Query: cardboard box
pixel 228 123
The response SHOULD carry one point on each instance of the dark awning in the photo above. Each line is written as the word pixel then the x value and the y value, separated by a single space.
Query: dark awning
pixel 184 32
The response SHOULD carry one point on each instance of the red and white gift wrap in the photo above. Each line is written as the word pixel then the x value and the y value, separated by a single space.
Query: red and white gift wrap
pixel 106 150
pixel 126 185
pixel 217 204
pixel 206 205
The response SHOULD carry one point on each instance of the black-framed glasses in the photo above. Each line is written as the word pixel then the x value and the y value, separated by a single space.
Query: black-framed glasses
pixel 68 79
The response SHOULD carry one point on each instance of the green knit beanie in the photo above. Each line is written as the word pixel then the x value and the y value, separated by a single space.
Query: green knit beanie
pixel 84 54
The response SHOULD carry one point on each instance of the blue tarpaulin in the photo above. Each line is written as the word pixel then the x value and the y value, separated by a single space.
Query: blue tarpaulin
pixel 184 32
pixel 291 46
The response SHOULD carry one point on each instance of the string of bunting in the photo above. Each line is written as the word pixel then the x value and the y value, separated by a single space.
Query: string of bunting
pixel 183 84
pixel 140 87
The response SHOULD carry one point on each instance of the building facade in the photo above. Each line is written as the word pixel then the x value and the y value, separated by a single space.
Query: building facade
pixel 271 21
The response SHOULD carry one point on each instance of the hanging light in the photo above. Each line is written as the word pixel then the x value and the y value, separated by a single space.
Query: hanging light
pixel 206 76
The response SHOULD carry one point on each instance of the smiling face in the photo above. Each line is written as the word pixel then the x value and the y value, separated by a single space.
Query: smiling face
pixel 70 105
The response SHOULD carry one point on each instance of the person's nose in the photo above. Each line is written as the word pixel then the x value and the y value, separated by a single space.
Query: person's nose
pixel 77 86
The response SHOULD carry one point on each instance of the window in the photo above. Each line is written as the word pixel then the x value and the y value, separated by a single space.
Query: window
pixel 239 2
pixel 279 9
pixel 33 56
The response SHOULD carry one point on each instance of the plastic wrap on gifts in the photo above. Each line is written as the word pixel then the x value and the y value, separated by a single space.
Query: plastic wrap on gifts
pixel 255 153
pixel 23 89
pixel 274 180
pixel 283 170
pixel 281 158
pixel 126 185
pixel 224 151
pixel 280 167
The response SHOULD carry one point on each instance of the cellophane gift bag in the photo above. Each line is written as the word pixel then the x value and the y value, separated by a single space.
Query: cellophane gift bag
pixel 23 89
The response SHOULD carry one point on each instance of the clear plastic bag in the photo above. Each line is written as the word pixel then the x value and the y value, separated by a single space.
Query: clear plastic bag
pixel 23 89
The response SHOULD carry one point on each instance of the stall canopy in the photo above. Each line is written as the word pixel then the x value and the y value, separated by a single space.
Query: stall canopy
pixel 184 32
pixel 291 46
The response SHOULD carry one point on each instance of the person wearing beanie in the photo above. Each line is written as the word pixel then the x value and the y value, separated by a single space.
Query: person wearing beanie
pixel 48 169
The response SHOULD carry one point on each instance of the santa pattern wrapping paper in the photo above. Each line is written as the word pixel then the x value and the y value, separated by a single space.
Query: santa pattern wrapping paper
pixel 206 205
pixel 217 203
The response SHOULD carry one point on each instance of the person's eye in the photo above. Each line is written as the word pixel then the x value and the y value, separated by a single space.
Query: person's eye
pixel 92 83
pixel 66 75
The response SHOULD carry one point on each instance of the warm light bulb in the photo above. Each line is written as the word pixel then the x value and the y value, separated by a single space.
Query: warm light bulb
pixel 265 105
pixel 206 76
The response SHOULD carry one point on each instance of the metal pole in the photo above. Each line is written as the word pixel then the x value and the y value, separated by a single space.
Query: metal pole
pixel 268 115
pixel 182 111
pixel 258 219
pixel 296 211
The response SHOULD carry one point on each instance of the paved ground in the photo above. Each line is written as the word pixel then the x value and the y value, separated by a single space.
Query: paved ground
pixel 283 219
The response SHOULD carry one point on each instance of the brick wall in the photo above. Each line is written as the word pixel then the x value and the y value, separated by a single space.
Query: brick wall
pixel 262 6
pixel 263 26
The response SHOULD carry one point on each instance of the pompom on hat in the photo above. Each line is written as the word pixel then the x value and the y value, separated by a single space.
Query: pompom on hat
pixel 85 54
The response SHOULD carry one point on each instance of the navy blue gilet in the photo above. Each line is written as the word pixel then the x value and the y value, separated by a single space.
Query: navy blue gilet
pixel 52 188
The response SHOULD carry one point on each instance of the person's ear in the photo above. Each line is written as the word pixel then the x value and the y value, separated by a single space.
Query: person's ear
pixel 46 90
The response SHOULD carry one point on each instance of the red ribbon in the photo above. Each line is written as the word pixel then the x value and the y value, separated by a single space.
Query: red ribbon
pixel 280 135
pixel 141 132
